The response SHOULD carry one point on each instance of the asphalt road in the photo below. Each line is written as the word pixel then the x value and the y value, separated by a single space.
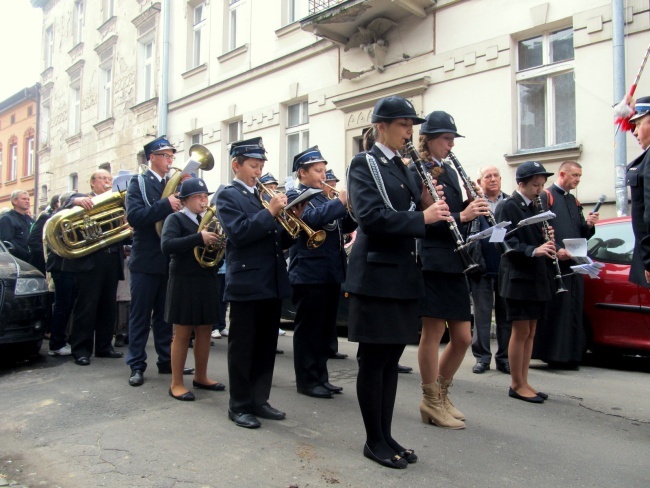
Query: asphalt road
pixel 71 426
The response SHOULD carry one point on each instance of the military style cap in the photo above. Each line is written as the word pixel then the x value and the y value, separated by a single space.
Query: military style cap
pixel 268 178
pixel 531 168
pixel 391 108
pixel 330 176
pixel 192 186
pixel 309 156
pixel 641 108
pixel 251 148
pixel 438 122
pixel 159 144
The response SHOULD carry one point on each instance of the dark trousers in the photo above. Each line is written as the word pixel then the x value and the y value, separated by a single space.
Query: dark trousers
pixel 252 340
pixel 95 306
pixel 485 296
pixel 316 307
pixel 63 302
pixel 148 293
pixel 222 304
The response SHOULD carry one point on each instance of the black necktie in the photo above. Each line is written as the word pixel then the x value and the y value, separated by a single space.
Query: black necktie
pixel 257 194
pixel 198 218
pixel 163 182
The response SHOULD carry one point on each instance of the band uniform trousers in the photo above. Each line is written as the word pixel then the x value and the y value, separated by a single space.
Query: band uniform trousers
pixel 485 295
pixel 252 342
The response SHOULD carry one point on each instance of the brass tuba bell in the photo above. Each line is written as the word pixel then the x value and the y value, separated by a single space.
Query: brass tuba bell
pixel 209 255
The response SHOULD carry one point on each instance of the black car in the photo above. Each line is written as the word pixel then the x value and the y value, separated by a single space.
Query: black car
pixel 24 307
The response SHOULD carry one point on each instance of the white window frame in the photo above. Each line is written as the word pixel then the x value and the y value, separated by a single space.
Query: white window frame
pixel 549 70
pixel 74 124
pixel 236 28
pixel 301 130
pixel 197 34
pixel 31 153
pixel 296 10
pixel 13 162
pixel 78 21
pixel 108 9
pixel 73 181
pixel 146 68
pixel 237 127
pixel 106 91
pixel 48 47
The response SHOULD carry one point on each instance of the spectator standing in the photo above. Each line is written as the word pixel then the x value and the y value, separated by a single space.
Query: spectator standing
pixel 16 224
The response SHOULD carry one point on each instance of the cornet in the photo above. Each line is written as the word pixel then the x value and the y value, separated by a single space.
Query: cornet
pixel 334 193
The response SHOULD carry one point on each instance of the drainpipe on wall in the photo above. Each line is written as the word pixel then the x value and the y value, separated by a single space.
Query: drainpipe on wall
pixel 37 137
pixel 620 148
pixel 164 71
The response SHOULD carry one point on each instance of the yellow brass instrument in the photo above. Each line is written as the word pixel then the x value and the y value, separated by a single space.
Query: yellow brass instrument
pixel 209 255
pixel 334 193
pixel 198 153
pixel 292 224
pixel 76 232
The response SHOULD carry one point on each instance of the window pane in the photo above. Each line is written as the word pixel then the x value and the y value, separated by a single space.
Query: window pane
pixel 294 115
pixel 565 108
pixel 234 131
pixel 293 147
pixel 198 14
pixel 530 53
pixel 305 140
pixel 305 112
pixel 532 116
pixel 561 45
pixel 620 241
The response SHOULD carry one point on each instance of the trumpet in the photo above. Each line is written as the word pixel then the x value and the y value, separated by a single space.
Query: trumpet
pixel 547 237
pixel 334 193
pixel 209 255
pixel 292 224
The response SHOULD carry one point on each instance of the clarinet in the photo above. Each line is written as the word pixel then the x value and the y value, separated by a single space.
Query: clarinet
pixel 468 262
pixel 547 238
pixel 503 246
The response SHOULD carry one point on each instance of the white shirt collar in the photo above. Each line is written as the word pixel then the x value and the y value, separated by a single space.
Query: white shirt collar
pixel 250 188
pixel 527 200
pixel 389 153
pixel 191 215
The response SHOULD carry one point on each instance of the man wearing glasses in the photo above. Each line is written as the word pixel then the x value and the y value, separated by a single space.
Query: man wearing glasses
pixel 148 265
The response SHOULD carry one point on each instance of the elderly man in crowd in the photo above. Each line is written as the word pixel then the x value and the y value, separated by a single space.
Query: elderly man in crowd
pixel 15 225
pixel 484 288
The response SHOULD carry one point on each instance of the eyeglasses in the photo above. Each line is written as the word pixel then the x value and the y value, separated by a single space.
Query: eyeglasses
pixel 166 156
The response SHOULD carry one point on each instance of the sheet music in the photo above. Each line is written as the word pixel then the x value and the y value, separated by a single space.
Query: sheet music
pixel 498 229
pixel 535 219
pixel 191 168
pixel 305 196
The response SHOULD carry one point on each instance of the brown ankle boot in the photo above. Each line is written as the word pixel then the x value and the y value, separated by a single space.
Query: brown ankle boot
pixel 444 393
pixel 433 411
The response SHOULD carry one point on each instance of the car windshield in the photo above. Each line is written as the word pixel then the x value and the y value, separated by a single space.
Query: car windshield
pixel 612 243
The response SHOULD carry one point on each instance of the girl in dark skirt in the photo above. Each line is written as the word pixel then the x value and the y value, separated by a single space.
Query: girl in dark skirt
pixel 383 278
pixel 192 303
pixel 525 276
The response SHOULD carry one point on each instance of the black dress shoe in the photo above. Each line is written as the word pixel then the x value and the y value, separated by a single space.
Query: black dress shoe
pixel 213 387
pixel 338 355
pixel 188 396
pixel 396 462
pixel 480 368
pixel 409 455
pixel 109 354
pixel 317 391
pixel 137 377
pixel 246 420
pixel 333 388
pixel 82 361
pixel 542 395
pixel 536 399
pixel 504 367
pixel 266 411
pixel 119 341
pixel 404 369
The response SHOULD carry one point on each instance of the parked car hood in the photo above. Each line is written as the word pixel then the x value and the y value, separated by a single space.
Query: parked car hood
pixel 12 267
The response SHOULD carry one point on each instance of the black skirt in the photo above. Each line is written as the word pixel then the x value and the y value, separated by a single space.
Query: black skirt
pixel 524 309
pixel 446 296
pixel 192 300
pixel 377 320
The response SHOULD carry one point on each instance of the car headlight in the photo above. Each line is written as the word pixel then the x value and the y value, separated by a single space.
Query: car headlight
pixel 30 286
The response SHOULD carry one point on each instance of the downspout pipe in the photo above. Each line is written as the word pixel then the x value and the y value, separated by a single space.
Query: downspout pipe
pixel 620 147
pixel 163 99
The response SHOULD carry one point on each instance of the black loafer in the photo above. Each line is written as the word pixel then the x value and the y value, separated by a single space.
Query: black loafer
pixel 333 388
pixel 213 387
pixel 480 368
pixel 409 455
pixel 82 361
pixel 536 399
pixel 338 355
pixel 137 377
pixel 110 354
pixel 404 369
pixel 188 396
pixel 542 395
pixel 396 462
pixel 316 392
pixel 245 420
pixel 266 411
pixel 504 367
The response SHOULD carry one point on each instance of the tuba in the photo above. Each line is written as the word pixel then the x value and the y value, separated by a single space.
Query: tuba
pixel 209 255
pixel 198 153
pixel 292 224
pixel 76 232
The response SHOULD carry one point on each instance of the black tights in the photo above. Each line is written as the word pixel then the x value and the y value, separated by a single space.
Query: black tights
pixel 376 391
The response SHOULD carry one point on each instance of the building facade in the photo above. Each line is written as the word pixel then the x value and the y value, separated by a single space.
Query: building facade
pixel 18 142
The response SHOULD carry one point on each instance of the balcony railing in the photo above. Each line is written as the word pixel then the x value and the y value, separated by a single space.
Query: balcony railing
pixel 316 6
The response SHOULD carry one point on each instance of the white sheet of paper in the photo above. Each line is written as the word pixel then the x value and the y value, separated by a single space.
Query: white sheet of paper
pixel 498 234
pixel 488 232
pixel 191 167
pixel 576 247
pixel 540 217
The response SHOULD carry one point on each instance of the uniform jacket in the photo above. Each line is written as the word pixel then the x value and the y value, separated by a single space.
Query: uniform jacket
pixel 180 235
pixel 146 255
pixel 35 240
pixel 637 171
pixel 522 276
pixel 14 228
pixel 328 262
pixel 437 250
pixel 255 264
pixel 383 262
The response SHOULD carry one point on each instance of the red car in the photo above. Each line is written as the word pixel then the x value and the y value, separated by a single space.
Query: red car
pixel 616 312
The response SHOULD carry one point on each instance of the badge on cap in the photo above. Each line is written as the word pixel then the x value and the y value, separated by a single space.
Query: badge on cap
pixel 536 164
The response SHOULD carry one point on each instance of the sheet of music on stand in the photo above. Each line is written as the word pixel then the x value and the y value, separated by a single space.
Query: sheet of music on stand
pixel 585 265
pixel 496 233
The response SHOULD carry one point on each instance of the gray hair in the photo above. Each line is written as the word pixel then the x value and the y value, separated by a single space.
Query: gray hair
pixel 16 193
pixel 482 170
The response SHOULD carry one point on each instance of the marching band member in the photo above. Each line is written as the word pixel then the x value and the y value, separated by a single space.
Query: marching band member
pixel 525 276
pixel 384 280
pixel 192 291
pixel 316 276
pixel 446 302
pixel 256 283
